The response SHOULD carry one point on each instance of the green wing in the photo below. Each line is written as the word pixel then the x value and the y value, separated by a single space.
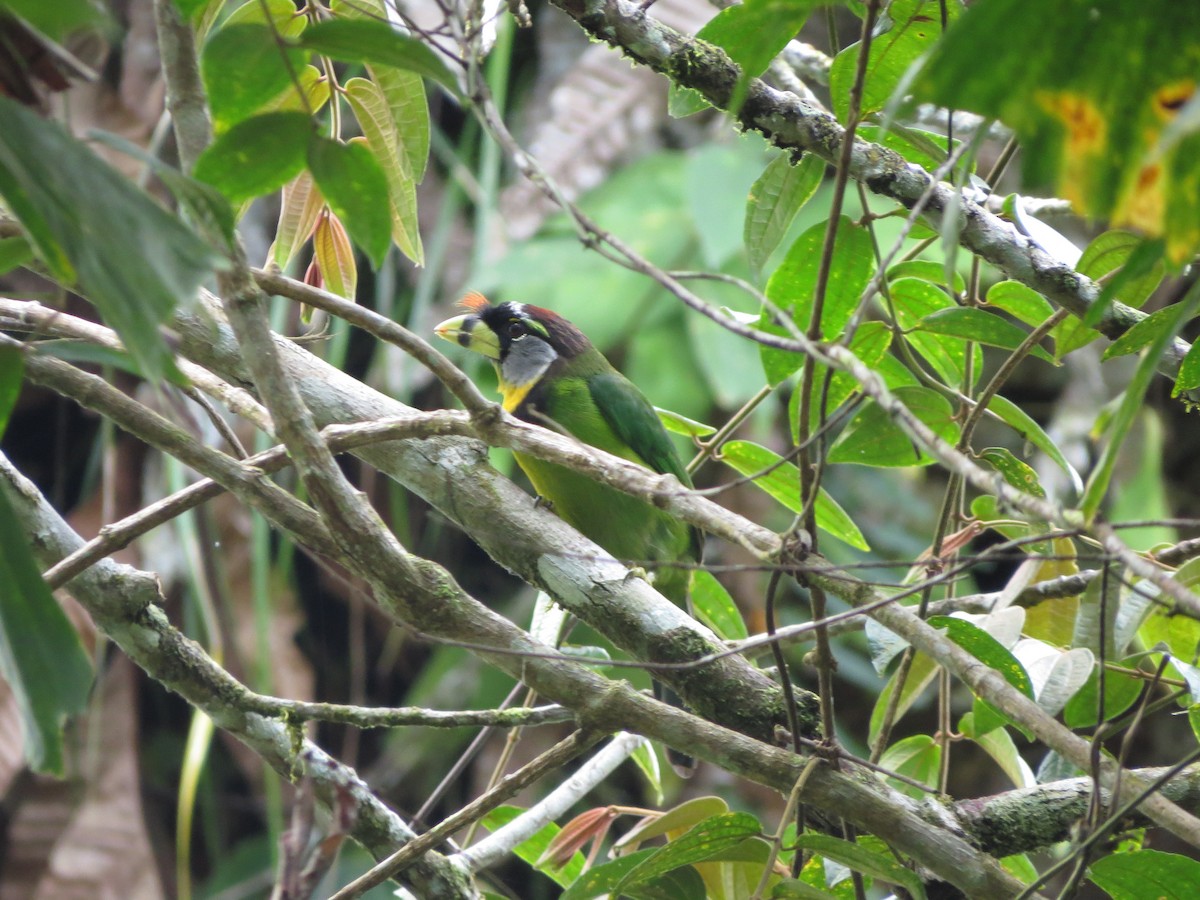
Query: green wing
pixel 635 423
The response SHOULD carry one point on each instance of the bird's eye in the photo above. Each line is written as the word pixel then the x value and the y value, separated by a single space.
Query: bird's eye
pixel 516 329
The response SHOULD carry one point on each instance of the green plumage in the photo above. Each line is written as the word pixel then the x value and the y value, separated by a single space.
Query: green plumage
pixel 551 375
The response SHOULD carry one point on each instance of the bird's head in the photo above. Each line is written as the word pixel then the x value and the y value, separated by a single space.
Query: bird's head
pixel 522 341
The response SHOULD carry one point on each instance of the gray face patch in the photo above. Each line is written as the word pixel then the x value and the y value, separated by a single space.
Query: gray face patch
pixel 527 360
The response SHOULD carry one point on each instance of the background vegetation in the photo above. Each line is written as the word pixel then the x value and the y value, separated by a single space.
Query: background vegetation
pixel 910 283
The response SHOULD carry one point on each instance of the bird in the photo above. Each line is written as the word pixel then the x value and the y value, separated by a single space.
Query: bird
pixel 550 374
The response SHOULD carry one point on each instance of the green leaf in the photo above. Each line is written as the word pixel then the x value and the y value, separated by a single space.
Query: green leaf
pixel 926 149
pixel 374 117
pixel 1021 302
pixel 980 326
pixel 927 270
pixel 999 745
pixel 1121 691
pixel 1130 266
pixel 986 649
pixel 1134 397
pixel 783 483
pixel 68 200
pixel 532 848
pixel 870 344
pixel 14 252
pixel 792 286
pixel 1188 378
pixel 795 889
pixel 775 199
pixel 715 607
pixel 646 760
pixel 678 424
pixel 405 93
pixel 58 18
pixel 244 67
pixel 913 300
pixel 864 860
pixel 204 206
pixel 603 880
pixel 1017 473
pixel 1143 333
pixel 915 28
pixel 371 41
pixel 356 190
pixel 1144 874
pixel 702 842
pixel 753 33
pixel 1093 133
pixel 1015 417
pixel 41 657
pixel 872 439
pixel 12 370
pixel 257 156
pixel 918 757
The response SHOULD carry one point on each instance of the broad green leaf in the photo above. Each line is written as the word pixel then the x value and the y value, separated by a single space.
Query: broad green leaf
pixel 792 286
pixel 863 859
pixel 374 117
pixel 1143 333
pixel 999 745
pixel 872 439
pixel 1017 473
pixel 928 270
pixel 1016 418
pixel 986 649
pixel 915 28
pixel 920 674
pixel 356 189
pixel 753 33
pixel 244 67
pixel 370 41
pixel 204 206
pixel 1145 874
pixel 715 607
pixel 702 842
pixel 918 757
pixel 1142 491
pixel 1120 692
pixel 68 200
pixel 1129 266
pixel 334 257
pixel 602 881
pixel 41 657
pixel 646 759
pixel 1021 302
pixel 927 149
pixel 870 344
pixel 912 300
pixel 302 203
pixel 678 424
pixel 256 156
pixel 405 93
pixel 679 819
pixel 1091 132
pixel 1132 401
pixel 1189 372
pixel 281 15
pixel 307 94
pixel 980 326
pixel 12 370
pixel 531 849
pixel 56 19
pixel 14 252
pixel 783 483
pixel 775 199
pixel 795 889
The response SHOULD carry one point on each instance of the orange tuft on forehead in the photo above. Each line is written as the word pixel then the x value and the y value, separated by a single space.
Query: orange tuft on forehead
pixel 474 302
